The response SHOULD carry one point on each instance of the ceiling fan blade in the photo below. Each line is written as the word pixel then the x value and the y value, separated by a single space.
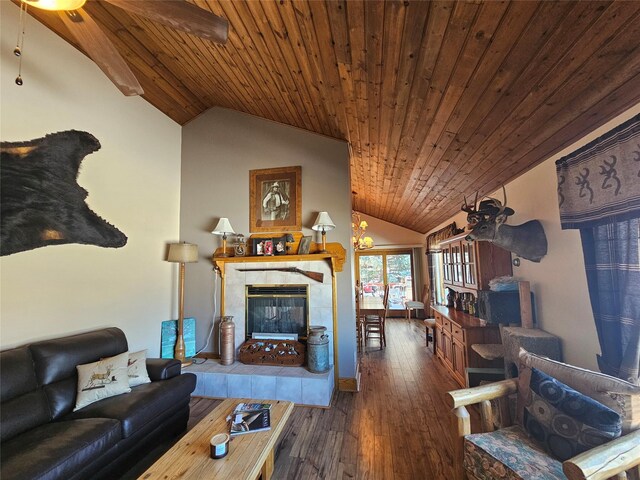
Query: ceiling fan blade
pixel 100 49
pixel 180 15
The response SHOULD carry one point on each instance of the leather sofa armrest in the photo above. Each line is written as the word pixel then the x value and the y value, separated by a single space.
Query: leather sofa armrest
pixel 163 368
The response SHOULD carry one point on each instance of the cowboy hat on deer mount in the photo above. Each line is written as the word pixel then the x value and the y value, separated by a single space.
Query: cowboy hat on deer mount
pixel 487 223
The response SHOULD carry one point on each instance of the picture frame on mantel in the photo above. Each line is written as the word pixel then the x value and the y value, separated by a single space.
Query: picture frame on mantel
pixel 275 199
pixel 305 245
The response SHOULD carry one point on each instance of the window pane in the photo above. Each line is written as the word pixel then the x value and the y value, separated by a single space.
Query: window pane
pixel 385 268
pixel 399 279
pixel 371 275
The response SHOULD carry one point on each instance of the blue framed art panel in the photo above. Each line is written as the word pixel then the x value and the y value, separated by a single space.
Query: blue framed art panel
pixel 169 334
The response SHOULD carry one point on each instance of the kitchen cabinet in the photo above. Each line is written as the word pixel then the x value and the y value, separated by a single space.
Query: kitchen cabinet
pixel 455 333
pixel 469 266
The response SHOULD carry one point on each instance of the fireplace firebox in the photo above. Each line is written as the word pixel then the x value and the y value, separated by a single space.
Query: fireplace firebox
pixel 281 309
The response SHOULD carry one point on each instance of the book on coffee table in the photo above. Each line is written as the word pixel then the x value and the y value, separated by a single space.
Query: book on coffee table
pixel 250 421
pixel 250 407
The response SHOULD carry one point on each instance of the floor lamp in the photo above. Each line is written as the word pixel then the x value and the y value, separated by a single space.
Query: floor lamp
pixel 182 253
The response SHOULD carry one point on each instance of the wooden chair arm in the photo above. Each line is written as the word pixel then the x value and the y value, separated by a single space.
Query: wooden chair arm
pixel 605 461
pixel 483 394
pixel 490 391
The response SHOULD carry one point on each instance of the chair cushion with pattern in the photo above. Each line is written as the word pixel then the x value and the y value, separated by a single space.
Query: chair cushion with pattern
pixel 620 396
pixel 508 454
pixel 561 419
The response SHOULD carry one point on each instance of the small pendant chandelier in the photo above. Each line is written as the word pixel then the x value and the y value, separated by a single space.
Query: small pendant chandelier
pixel 358 227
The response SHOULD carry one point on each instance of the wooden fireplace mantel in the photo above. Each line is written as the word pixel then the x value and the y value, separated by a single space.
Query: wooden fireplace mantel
pixel 335 257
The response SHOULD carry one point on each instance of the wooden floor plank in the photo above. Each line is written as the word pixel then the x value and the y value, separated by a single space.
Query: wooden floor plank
pixel 397 427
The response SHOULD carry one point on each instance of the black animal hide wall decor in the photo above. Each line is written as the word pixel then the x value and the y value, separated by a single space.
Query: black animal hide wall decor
pixel 40 201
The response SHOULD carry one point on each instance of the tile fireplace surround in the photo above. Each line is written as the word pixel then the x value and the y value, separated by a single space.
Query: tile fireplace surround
pixel 295 384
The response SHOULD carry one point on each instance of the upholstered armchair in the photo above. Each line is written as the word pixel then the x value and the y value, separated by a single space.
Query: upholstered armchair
pixel 509 452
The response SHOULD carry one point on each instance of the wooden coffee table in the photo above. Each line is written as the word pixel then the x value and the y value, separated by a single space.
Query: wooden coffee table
pixel 249 455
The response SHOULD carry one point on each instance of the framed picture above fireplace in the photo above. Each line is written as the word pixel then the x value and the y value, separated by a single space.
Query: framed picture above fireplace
pixel 275 199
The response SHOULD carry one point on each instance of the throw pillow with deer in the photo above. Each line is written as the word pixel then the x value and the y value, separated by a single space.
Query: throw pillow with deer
pixel 103 379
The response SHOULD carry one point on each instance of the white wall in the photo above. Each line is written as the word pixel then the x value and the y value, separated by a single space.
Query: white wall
pixel 387 234
pixel 559 280
pixel 218 150
pixel 133 182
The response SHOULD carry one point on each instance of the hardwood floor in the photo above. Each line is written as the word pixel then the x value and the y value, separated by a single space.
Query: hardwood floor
pixel 397 427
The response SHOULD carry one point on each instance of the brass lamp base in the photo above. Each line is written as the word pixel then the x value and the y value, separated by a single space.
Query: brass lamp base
pixel 324 243
pixel 224 248
pixel 179 350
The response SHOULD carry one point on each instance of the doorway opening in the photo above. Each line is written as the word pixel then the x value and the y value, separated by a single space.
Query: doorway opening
pixel 377 268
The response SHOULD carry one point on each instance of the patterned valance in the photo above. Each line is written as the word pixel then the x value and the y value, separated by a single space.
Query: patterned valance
pixel 434 239
pixel 601 180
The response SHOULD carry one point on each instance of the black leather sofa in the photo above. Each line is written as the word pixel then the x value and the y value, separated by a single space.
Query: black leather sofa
pixel 42 438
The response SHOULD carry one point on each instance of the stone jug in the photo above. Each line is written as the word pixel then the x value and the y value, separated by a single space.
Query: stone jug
pixel 318 350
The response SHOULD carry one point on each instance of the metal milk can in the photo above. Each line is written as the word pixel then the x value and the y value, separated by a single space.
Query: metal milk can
pixel 317 349
pixel 227 337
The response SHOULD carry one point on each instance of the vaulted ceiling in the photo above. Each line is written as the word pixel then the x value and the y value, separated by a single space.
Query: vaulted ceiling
pixel 436 99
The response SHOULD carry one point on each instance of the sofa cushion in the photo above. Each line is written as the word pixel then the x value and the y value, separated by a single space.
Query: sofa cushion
pixel 55 363
pixel 58 449
pixel 17 376
pixel 620 396
pixel 508 454
pixel 143 405
pixel 23 413
pixel 24 405
pixel 102 379
pixel 565 422
pixel 137 368
pixel 57 359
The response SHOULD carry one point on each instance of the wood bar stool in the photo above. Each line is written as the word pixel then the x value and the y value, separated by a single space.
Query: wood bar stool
pixel 430 324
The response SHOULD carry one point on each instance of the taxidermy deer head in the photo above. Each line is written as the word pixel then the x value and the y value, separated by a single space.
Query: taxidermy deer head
pixel 487 223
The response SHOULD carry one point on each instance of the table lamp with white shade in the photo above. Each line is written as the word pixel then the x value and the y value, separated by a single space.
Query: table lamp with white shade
pixel 322 224
pixel 225 229
pixel 181 253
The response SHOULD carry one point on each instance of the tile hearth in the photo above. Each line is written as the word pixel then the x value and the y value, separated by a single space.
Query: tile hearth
pixel 295 384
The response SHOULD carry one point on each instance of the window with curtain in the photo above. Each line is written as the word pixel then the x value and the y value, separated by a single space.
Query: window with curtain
pixel 599 194
pixel 436 287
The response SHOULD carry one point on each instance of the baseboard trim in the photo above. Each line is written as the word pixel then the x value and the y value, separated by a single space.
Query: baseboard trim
pixel 350 384
pixel 209 355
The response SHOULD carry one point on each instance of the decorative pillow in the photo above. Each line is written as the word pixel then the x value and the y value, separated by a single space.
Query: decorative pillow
pixel 103 379
pixel 620 396
pixel 137 368
pixel 564 421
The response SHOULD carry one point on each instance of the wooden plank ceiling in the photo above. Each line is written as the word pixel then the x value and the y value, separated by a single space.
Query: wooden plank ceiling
pixel 436 99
